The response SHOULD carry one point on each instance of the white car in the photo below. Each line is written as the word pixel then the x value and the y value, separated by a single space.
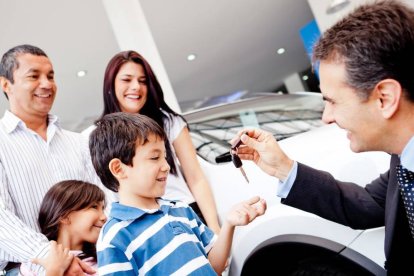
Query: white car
pixel 285 240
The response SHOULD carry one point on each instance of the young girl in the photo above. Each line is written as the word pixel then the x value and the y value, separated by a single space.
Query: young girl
pixel 72 214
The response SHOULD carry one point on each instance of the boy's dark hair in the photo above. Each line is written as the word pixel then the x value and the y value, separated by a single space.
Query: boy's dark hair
pixel 9 62
pixel 116 136
pixel 63 198
pixel 375 42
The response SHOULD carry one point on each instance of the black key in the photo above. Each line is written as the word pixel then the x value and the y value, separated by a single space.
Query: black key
pixel 238 164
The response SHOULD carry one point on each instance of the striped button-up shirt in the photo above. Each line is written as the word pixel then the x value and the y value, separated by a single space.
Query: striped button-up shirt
pixel 29 166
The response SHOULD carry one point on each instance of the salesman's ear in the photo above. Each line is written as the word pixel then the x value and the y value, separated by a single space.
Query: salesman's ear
pixel 389 93
pixel 117 168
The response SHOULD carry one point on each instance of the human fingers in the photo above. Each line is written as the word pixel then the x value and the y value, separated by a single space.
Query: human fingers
pixel 237 136
pixel 251 142
pixel 252 200
pixel 249 209
pixel 243 216
pixel 87 268
pixel 74 269
pixel 260 207
pixel 37 261
pixel 254 207
pixel 57 260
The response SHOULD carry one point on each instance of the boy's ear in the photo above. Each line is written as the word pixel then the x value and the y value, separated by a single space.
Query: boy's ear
pixel 389 92
pixel 117 168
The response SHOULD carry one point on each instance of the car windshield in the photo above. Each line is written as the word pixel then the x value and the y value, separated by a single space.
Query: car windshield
pixel 284 115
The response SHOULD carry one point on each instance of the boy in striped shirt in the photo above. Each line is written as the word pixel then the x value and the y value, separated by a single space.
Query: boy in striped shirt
pixel 146 234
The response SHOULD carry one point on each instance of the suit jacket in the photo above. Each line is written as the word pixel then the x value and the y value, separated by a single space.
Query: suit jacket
pixel 378 204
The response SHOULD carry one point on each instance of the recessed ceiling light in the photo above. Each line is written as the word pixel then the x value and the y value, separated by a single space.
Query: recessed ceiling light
pixel 191 57
pixel 81 73
pixel 305 77
pixel 337 5
pixel 280 51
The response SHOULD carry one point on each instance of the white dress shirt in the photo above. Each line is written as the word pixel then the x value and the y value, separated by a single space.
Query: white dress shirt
pixel 29 166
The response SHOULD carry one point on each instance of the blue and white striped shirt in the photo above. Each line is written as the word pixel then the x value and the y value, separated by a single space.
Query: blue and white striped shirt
pixel 170 240
pixel 29 166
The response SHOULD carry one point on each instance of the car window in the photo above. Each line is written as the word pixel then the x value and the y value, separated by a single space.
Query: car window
pixel 283 116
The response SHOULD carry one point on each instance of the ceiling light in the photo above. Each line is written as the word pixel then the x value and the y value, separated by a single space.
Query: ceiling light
pixel 81 73
pixel 191 57
pixel 280 51
pixel 337 5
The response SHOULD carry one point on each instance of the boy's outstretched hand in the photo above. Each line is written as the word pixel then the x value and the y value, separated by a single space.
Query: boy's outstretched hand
pixel 240 214
pixel 246 211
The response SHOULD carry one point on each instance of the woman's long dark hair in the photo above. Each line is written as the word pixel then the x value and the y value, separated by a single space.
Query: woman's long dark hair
pixel 155 97
pixel 63 198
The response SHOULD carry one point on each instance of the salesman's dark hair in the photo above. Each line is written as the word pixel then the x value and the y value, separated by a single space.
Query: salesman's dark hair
pixel 376 42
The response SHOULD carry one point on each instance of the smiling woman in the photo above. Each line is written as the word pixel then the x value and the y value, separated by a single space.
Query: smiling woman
pixel 131 86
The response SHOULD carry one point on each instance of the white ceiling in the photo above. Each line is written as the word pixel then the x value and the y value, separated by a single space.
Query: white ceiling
pixel 235 40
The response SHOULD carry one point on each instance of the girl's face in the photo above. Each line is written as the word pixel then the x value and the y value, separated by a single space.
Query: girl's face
pixel 131 87
pixel 84 225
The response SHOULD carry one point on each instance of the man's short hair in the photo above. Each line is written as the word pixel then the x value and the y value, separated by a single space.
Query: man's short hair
pixel 116 136
pixel 9 62
pixel 375 42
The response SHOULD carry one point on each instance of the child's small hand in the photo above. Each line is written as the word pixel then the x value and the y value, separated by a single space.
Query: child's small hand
pixel 245 212
pixel 57 261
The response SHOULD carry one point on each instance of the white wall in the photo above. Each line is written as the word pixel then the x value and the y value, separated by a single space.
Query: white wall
pixel 133 33
pixel 325 20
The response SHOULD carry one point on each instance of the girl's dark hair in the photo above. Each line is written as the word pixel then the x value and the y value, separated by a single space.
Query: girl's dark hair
pixel 155 97
pixel 63 198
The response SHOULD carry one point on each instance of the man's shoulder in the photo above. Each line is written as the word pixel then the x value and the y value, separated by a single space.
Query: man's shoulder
pixel 65 133
pixel 70 133
pixel 3 130
pixel 87 131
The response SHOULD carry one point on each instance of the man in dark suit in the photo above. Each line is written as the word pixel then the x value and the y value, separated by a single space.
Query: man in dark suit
pixel 366 78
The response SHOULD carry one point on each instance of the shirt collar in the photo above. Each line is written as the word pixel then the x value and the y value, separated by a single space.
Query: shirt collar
pixel 124 212
pixel 407 155
pixel 11 121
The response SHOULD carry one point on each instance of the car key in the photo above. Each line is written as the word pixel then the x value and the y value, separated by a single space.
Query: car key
pixel 236 159
pixel 238 164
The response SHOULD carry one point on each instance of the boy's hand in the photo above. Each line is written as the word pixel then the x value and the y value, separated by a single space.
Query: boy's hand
pixel 245 212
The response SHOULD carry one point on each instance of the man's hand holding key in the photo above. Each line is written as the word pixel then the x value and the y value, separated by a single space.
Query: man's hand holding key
pixel 262 148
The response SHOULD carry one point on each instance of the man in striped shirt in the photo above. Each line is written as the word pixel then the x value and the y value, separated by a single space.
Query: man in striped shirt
pixel 145 234
pixel 35 153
